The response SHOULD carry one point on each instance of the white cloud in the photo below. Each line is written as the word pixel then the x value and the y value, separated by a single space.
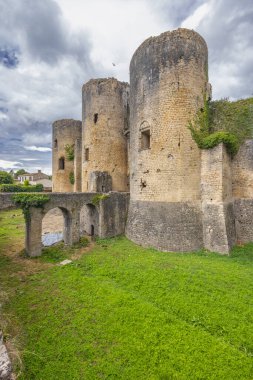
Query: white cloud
pixel 9 164
pixel 38 148
pixel 29 159
pixel 193 21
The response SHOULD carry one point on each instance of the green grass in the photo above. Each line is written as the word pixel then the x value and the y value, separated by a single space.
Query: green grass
pixel 125 312
pixel 11 227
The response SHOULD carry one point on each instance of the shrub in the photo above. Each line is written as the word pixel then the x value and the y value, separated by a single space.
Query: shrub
pixel 26 182
pixel 5 177
pixel 10 188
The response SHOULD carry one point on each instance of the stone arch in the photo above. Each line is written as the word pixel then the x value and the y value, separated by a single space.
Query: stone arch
pixel 53 223
pixel 67 221
pixel 34 228
pixel 89 220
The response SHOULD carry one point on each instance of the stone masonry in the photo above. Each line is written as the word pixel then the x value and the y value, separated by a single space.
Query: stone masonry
pixel 66 132
pixel 181 198
pixel 110 216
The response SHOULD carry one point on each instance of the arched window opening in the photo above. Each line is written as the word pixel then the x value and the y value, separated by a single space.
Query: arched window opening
pixel 145 139
pixel 55 143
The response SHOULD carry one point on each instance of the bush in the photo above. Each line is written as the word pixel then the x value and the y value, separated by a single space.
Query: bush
pixel 9 188
pixel 26 182
pixel 5 177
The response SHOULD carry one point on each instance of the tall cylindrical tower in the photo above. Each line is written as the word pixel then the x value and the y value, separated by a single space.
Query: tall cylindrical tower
pixel 168 84
pixel 66 151
pixel 105 124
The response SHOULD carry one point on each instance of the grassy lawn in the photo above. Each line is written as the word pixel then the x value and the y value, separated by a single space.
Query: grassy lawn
pixel 120 311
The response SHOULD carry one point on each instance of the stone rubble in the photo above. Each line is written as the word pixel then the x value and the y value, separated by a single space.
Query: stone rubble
pixel 5 363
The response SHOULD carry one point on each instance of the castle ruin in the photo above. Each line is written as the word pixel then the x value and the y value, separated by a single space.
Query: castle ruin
pixel 136 139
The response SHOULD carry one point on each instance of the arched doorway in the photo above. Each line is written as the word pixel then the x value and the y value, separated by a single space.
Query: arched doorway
pixel 89 220
pixel 56 226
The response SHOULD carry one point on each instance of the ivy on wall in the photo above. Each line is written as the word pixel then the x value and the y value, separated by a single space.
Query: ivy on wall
pixel 25 201
pixel 70 151
pixel 223 121
pixel 72 178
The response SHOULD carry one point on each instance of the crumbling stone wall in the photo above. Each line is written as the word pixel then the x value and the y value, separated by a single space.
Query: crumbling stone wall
pixel 242 167
pixel 217 203
pixel 105 118
pixel 66 132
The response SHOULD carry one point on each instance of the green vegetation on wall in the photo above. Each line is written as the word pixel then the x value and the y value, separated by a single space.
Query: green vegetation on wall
pixel 70 151
pixel 25 201
pixel 99 197
pixel 72 178
pixel 223 121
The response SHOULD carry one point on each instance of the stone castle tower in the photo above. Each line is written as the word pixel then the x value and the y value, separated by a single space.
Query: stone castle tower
pixel 182 198
pixel 105 119
pixel 168 84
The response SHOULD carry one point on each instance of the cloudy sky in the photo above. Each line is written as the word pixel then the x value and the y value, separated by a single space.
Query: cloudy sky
pixel 49 48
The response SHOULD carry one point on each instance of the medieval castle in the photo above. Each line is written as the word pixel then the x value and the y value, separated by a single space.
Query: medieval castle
pixel 135 139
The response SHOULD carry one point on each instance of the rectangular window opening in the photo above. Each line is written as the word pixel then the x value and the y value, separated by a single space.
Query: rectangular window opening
pixel 61 163
pixel 86 154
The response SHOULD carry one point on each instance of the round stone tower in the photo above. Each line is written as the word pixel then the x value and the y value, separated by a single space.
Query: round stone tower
pixel 66 150
pixel 168 84
pixel 105 126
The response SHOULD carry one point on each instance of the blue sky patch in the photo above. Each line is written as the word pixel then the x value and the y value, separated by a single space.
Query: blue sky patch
pixel 8 57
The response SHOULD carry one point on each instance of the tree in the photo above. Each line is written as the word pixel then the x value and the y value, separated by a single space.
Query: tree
pixel 5 177
pixel 19 172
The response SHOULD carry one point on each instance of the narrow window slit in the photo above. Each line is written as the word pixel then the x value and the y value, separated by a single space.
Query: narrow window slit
pixel 95 118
